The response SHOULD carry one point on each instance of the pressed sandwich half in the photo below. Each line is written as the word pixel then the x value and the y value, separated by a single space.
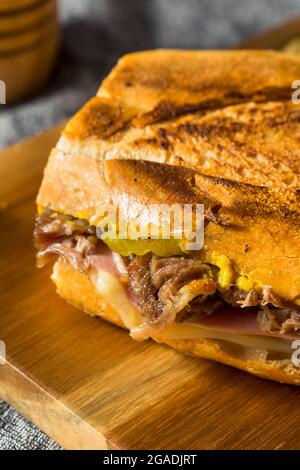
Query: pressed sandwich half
pixel 185 127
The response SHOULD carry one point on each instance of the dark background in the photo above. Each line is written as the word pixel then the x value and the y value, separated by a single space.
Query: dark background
pixel 96 33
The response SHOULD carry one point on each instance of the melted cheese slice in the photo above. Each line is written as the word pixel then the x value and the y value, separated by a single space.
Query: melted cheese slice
pixel 190 331
pixel 114 294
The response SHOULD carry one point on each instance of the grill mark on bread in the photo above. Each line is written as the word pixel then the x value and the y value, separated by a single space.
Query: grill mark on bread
pixel 102 117
pixel 99 118
pixel 239 142
pixel 184 185
pixel 166 110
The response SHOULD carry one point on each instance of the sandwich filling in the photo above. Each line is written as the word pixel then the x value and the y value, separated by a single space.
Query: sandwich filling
pixel 166 292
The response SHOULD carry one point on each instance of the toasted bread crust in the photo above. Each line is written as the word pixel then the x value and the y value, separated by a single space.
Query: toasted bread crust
pixel 144 79
pixel 79 291
pixel 222 112
pixel 265 222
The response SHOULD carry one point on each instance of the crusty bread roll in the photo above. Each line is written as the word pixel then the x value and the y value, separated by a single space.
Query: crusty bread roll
pixel 211 127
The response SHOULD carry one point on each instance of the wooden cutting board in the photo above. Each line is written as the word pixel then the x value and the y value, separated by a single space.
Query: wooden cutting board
pixel 87 384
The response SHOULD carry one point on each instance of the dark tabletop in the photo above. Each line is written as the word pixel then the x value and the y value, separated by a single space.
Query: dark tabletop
pixel 96 33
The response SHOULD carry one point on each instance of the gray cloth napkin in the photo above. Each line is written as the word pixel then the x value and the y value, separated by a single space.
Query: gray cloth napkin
pixel 16 433
pixel 96 33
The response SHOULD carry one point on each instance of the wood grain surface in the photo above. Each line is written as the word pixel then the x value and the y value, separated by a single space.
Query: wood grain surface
pixel 87 384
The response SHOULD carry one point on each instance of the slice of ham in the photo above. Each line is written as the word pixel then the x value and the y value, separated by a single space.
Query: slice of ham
pixel 115 264
pixel 235 320
pixel 106 260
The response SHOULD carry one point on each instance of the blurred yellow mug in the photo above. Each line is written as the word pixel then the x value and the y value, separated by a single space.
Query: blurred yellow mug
pixel 29 41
